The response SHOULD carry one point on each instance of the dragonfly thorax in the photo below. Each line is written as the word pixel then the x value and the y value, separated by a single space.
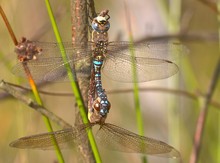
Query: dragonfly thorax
pixel 100 50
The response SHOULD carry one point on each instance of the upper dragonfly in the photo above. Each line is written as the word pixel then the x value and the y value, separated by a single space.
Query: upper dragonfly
pixel 152 60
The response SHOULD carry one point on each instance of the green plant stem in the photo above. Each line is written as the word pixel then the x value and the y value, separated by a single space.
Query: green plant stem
pixel 73 83
pixel 45 118
pixel 31 103
pixel 33 87
pixel 218 146
pixel 136 91
pixel 174 15
pixel 171 15
pixel 138 112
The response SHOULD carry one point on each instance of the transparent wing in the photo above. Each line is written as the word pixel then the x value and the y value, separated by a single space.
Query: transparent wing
pixel 158 49
pixel 65 138
pixel 119 139
pixel 41 68
pixel 152 61
pixel 49 66
pixel 51 49
pixel 147 69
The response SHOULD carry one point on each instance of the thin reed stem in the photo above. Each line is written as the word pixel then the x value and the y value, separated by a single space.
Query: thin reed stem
pixel 194 158
pixel 173 23
pixel 204 105
pixel 218 19
pixel 73 83
pixel 4 17
pixel 177 92
pixel 139 117
pixel 29 102
pixel 34 89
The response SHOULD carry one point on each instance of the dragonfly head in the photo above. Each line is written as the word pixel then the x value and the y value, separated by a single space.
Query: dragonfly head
pixel 100 23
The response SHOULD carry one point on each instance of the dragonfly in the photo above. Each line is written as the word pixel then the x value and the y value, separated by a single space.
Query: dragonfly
pixel 152 60
pixel 109 135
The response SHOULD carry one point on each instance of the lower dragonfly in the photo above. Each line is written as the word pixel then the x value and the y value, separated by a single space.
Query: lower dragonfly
pixel 108 135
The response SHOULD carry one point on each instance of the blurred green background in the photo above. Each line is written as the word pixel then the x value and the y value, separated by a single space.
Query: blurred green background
pixel 168 117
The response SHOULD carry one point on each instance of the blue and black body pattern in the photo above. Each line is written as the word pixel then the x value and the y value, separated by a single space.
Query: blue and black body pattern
pixel 100 27
pixel 104 103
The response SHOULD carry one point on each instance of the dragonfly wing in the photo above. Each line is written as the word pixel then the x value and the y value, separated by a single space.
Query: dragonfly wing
pixel 158 49
pixel 79 68
pixel 52 69
pixel 65 138
pixel 49 65
pixel 40 68
pixel 152 60
pixel 120 68
pixel 119 139
pixel 45 141
pixel 51 49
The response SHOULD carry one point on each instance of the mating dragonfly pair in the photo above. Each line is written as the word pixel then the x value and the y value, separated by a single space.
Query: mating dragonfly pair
pixel 152 62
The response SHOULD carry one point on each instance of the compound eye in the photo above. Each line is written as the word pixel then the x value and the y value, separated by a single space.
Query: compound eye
pixel 96 106
pixel 100 25
pixel 95 25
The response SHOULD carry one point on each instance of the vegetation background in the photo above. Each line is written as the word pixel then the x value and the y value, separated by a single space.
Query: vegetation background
pixel 168 117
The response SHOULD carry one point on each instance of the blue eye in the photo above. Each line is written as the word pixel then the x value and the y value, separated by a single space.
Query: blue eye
pixel 100 26
pixel 95 26
pixel 107 26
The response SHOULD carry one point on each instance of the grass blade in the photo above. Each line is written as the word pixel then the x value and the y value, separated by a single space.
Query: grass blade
pixel 73 83
pixel 139 117
pixel 34 89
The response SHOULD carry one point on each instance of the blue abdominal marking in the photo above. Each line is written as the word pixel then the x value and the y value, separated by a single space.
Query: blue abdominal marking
pixel 104 103
pixel 100 26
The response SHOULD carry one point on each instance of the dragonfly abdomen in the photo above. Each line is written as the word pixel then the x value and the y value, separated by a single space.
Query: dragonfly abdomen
pixel 105 104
